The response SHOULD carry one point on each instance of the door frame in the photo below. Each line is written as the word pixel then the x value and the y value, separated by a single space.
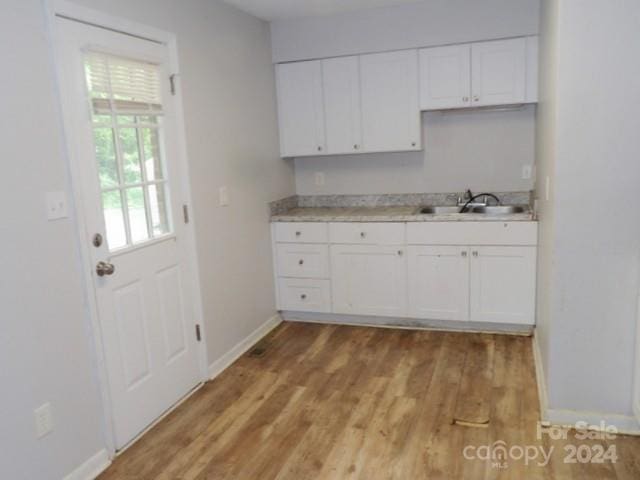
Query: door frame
pixel 65 9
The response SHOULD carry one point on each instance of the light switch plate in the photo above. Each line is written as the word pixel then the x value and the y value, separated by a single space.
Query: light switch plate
pixel 43 418
pixel 224 196
pixel 526 172
pixel 56 203
pixel 319 178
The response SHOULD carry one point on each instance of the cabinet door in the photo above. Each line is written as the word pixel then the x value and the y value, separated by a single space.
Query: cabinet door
pixel 439 283
pixel 498 72
pixel 369 280
pixel 503 284
pixel 341 82
pixel 300 109
pixel 445 77
pixel 390 106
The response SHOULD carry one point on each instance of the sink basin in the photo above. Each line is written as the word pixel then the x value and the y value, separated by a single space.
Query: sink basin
pixel 433 210
pixel 498 209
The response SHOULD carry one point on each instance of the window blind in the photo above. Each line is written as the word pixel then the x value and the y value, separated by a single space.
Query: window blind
pixel 123 85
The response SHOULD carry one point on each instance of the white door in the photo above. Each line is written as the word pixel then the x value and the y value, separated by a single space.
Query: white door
pixel 390 105
pixel 439 282
pixel 369 280
pixel 121 129
pixel 445 77
pixel 502 283
pixel 341 82
pixel 300 108
pixel 498 72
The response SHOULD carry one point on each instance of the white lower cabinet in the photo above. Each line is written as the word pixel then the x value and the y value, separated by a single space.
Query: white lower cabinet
pixel 503 284
pixel 369 280
pixel 451 271
pixel 438 282
pixel 304 295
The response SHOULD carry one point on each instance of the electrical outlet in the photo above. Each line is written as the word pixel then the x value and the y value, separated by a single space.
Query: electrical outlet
pixel 56 205
pixel 526 172
pixel 319 178
pixel 224 196
pixel 43 417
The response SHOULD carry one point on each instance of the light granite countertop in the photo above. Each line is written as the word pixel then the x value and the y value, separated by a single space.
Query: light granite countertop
pixel 388 214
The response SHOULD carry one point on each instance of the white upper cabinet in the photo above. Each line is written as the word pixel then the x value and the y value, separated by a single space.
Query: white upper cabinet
pixel 341 82
pixel 498 72
pixel 445 77
pixel 390 107
pixel 300 108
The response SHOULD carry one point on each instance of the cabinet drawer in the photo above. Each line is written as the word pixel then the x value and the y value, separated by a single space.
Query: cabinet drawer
pixel 301 232
pixel 367 233
pixel 472 233
pixel 302 260
pixel 304 295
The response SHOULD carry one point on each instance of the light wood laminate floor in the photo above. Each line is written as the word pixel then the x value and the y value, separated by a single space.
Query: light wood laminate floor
pixel 340 402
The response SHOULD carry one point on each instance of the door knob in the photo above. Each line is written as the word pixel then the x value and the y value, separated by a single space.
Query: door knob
pixel 105 268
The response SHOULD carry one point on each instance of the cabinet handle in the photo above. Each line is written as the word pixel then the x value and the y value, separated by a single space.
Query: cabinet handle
pixel 413 144
pixel 476 98
pixel 303 296
pixel 475 254
pixel 300 262
pixel 363 234
pixel 463 253
pixel 319 148
pixel 400 252
pixel 356 146
pixel 465 99
pixel 298 234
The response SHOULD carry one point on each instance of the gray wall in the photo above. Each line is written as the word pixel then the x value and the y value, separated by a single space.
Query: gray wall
pixel 230 114
pixel 589 147
pixel 419 24
pixel 480 150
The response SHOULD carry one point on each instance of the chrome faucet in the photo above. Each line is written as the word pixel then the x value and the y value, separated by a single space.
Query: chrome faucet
pixel 471 200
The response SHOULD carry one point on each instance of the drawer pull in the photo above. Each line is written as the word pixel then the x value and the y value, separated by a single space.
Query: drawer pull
pixel 463 253
pixel 300 262
pixel 400 252
pixel 298 234
pixel 303 296
pixel 363 234
pixel 475 254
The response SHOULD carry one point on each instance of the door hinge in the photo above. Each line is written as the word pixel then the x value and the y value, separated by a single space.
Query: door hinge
pixel 185 213
pixel 172 83
pixel 198 335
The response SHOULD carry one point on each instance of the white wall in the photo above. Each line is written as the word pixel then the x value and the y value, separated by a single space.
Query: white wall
pixel 420 24
pixel 480 150
pixel 228 88
pixel 45 347
pixel 590 149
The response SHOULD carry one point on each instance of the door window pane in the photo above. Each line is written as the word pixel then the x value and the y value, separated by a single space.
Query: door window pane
pixel 137 215
pixel 158 206
pixel 114 219
pixel 106 156
pixel 152 160
pixel 130 155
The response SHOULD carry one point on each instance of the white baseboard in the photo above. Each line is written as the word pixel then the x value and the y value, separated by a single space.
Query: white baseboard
pixel 232 355
pixel 541 379
pixel 93 467
pixel 624 424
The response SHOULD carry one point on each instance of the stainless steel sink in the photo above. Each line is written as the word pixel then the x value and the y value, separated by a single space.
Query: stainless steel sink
pixel 478 210
pixel 434 210
pixel 498 209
